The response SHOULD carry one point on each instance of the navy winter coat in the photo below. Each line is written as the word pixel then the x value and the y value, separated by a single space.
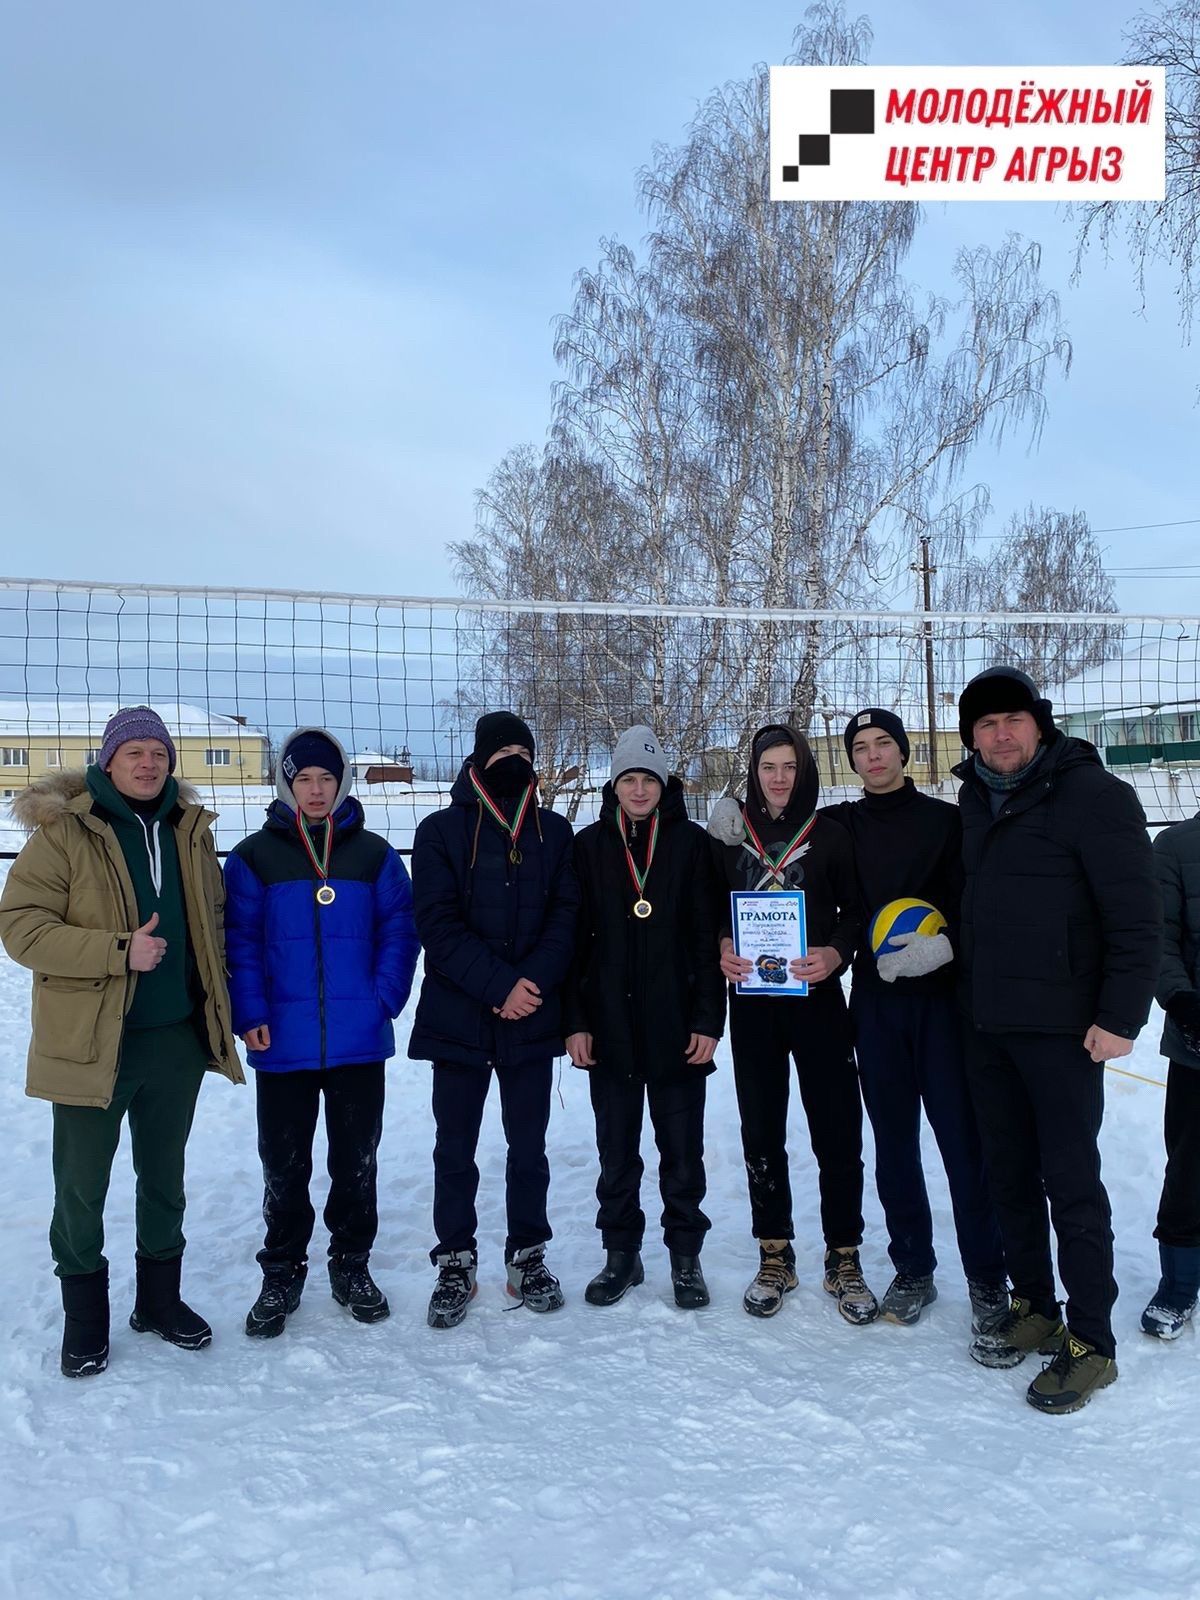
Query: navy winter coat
pixel 1177 857
pixel 326 980
pixel 485 922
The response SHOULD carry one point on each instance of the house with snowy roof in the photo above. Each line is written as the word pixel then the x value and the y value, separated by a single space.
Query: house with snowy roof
pixel 41 736
pixel 1142 707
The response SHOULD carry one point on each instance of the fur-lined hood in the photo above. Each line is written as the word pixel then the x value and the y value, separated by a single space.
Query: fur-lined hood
pixel 59 793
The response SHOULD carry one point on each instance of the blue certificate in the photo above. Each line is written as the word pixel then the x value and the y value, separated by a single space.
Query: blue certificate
pixel 769 930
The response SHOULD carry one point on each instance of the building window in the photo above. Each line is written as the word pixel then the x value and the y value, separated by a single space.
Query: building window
pixel 1096 735
pixel 216 758
pixel 1187 725
pixel 54 758
pixel 13 756
pixel 921 752
pixel 91 757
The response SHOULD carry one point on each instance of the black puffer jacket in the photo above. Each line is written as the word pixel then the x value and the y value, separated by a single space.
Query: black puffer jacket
pixel 1062 916
pixel 1177 857
pixel 642 988
pixel 485 922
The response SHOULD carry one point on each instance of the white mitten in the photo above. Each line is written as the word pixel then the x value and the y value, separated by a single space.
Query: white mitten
pixel 725 821
pixel 921 953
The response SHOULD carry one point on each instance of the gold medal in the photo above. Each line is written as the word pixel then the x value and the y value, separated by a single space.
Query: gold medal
pixel 641 906
pixel 642 909
pixel 326 895
pixel 514 855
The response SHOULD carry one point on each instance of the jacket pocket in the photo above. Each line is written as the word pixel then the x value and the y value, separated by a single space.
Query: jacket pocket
pixel 68 1014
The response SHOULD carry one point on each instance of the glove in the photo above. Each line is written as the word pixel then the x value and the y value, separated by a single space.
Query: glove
pixel 922 953
pixel 725 822
pixel 1184 1011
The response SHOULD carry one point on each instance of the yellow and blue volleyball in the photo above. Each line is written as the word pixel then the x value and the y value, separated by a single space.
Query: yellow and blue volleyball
pixel 902 916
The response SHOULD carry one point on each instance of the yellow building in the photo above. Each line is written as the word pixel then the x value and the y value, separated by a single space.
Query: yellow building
pixel 38 737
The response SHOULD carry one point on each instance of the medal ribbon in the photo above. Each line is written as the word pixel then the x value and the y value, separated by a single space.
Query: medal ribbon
pixel 775 868
pixel 639 878
pixel 512 828
pixel 320 867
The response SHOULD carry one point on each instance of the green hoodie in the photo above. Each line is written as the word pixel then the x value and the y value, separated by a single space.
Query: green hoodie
pixel 151 853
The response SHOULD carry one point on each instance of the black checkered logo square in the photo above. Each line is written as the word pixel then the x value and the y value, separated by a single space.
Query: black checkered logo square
pixel 850 111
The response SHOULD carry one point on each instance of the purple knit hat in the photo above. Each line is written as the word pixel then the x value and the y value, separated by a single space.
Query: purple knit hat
pixel 134 722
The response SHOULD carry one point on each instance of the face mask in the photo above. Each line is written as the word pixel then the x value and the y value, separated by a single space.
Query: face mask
pixel 508 776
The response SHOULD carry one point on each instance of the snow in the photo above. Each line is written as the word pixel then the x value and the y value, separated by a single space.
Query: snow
pixel 63 718
pixel 633 1453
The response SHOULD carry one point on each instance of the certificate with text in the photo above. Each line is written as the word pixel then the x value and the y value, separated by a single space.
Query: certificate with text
pixel 769 930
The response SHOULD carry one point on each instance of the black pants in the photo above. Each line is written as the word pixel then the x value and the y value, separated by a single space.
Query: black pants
pixel 815 1032
pixel 677 1117
pixel 287 1120
pixel 1179 1207
pixel 910 1053
pixel 1040 1101
pixel 459 1096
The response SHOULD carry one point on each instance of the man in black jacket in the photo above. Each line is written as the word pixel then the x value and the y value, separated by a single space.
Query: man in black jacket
pixel 1177 856
pixel 495 899
pixel 1061 934
pixel 907 1030
pixel 643 1010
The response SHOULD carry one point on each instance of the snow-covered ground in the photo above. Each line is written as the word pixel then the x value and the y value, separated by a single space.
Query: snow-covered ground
pixel 637 1453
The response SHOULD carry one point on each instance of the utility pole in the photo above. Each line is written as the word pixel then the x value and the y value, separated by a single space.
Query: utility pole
pixel 926 570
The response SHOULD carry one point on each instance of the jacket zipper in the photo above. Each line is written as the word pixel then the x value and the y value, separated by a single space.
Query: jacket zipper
pixel 320 976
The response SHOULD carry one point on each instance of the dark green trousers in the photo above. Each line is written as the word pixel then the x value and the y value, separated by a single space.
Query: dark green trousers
pixel 159 1078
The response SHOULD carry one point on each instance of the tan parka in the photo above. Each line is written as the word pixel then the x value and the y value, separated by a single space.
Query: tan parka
pixel 68 912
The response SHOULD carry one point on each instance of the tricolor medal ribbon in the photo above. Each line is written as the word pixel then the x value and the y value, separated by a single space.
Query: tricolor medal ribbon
pixel 326 894
pixel 512 828
pixel 641 906
pixel 775 869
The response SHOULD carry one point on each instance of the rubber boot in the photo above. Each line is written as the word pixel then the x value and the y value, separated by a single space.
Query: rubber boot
pixel 85 1323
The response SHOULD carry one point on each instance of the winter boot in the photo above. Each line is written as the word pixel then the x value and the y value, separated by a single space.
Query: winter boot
pixel 277 1299
pixel 455 1288
pixel 1068 1382
pixel 906 1297
pixel 989 1304
pixel 1021 1331
pixel 85 1323
pixel 621 1272
pixel 530 1280
pixel 776 1276
pixel 1173 1303
pixel 687 1280
pixel 351 1284
pixel 843 1278
pixel 158 1308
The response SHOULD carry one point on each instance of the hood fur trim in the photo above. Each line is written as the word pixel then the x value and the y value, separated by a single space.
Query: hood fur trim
pixel 53 796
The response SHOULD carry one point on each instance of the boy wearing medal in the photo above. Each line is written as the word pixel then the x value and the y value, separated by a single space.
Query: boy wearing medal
pixel 777 841
pixel 496 901
pixel 322 948
pixel 643 1010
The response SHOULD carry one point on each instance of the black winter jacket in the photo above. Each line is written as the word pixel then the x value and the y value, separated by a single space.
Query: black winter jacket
pixel 642 988
pixel 485 922
pixel 1177 857
pixel 1062 916
pixel 907 845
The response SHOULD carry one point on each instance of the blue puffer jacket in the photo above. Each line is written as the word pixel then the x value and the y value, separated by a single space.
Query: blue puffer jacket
pixel 485 922
pixel 326 980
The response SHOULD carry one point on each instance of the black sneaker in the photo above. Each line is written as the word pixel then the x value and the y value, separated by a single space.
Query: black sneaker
pixel 906 1297
pixel 455 1289
pixel 621 1272
pixel 844 1279
pixel 277 1299
pixel 1168 1313
pixel 530 1280
pixel 776 1276
pixel 352 1285
pixel 687 1280
pixel 989 1305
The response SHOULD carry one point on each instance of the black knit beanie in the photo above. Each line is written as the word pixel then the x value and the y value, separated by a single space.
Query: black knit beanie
pixel 873 717
pixel 1002 689
pixel 494 730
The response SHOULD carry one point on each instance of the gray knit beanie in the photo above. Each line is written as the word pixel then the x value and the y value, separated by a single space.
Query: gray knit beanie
pixel 638 750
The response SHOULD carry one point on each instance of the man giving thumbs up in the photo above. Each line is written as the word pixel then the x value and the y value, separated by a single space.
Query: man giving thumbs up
pixel 116 904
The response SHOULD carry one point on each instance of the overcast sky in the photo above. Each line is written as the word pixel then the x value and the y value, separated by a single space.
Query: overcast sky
pixel 278 278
